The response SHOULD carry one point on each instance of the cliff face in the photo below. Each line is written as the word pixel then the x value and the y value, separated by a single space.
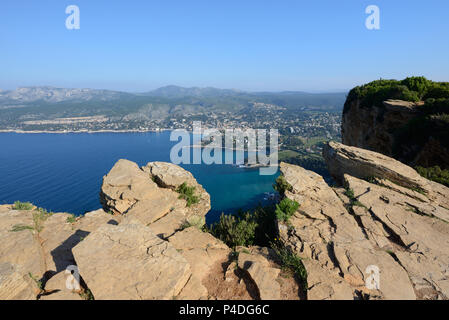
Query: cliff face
pixel 372 127
pixel 376 117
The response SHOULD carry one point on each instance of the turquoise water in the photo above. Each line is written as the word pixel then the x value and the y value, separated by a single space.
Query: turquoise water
pixel 63 172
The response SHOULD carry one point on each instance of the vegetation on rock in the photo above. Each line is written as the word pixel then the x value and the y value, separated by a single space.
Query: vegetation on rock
pixel 285 209
pixel 187 193
pixel 282 185
pixel 246 228
pixel 22 205
pixel 435 174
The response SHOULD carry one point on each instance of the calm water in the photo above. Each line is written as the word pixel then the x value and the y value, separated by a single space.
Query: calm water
pixel 63 172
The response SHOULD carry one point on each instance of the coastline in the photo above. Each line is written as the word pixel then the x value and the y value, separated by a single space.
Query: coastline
pixel 84 131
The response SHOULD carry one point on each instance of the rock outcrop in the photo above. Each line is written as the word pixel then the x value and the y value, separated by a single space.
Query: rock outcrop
pixel 379 128
pixel 394 221
pixel 148 194
pixel 372 127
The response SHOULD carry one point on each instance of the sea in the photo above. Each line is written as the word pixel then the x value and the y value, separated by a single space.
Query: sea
pixel 63 172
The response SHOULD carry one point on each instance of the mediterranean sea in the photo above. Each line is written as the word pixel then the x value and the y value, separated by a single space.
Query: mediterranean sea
pixel 64 172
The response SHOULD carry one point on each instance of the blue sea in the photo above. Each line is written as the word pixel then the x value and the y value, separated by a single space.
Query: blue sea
pixel 63 172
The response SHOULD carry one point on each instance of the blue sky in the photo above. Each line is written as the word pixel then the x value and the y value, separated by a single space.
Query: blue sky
pixel 250 45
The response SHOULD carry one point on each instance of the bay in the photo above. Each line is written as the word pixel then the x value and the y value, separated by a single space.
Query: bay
pixel 63 172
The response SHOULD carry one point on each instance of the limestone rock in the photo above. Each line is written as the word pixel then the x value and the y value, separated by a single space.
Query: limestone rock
pixel 18 241
pixel 14 284
pixel 168 175
pixel 148 195
pixel 374 128
pixel 201 250
pixel 124 185
pixel 362 164
pixel 325 285
pixel 129 262
pixel 418 240
pixel 325 232
pixel 256 263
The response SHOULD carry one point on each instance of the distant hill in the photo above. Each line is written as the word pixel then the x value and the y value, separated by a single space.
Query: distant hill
pixel 43 103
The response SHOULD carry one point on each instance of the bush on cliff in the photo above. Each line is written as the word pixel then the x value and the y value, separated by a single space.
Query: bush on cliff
pixel 282 185
pixel 435 174
pixel 257 227
pixel 286 209
pixel 22 206
pixel 410 89
pixel 187 193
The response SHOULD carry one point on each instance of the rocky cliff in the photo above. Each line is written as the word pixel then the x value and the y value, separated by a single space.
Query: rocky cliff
pixel 148 242
pixel 404 119
pixel 385 216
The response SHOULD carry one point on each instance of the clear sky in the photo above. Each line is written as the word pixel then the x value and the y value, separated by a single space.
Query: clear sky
pixel 245 44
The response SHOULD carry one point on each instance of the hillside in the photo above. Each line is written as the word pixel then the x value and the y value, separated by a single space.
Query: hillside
pixel 142 110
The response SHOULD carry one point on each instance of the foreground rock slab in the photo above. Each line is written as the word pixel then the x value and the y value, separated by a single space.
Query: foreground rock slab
pixel 255 261
pixel 14 284
pixel 129 262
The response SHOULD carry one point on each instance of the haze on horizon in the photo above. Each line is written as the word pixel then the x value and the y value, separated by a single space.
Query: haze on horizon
pixel 319 46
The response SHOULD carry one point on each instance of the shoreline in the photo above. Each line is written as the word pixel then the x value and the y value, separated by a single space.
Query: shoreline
pixel 84 131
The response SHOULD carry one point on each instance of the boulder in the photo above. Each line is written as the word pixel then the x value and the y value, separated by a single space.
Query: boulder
pixel 124 185
pixel 149 195
pixel 168 175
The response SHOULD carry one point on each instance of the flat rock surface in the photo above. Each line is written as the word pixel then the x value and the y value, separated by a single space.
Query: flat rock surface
pixel 255 262
pixel 129 262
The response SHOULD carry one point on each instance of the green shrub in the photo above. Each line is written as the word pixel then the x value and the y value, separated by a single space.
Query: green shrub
pixel 71 219
pixel 289 260
pixel 410 89
pixel 193 221
pixel 187 193
pixel 285 209
pixel 435 174
pixel 282 185
pixel 20 227
pixel 22 206
pixel 234 230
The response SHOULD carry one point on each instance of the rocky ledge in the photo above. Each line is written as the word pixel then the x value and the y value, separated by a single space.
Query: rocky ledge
pixel 383 215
